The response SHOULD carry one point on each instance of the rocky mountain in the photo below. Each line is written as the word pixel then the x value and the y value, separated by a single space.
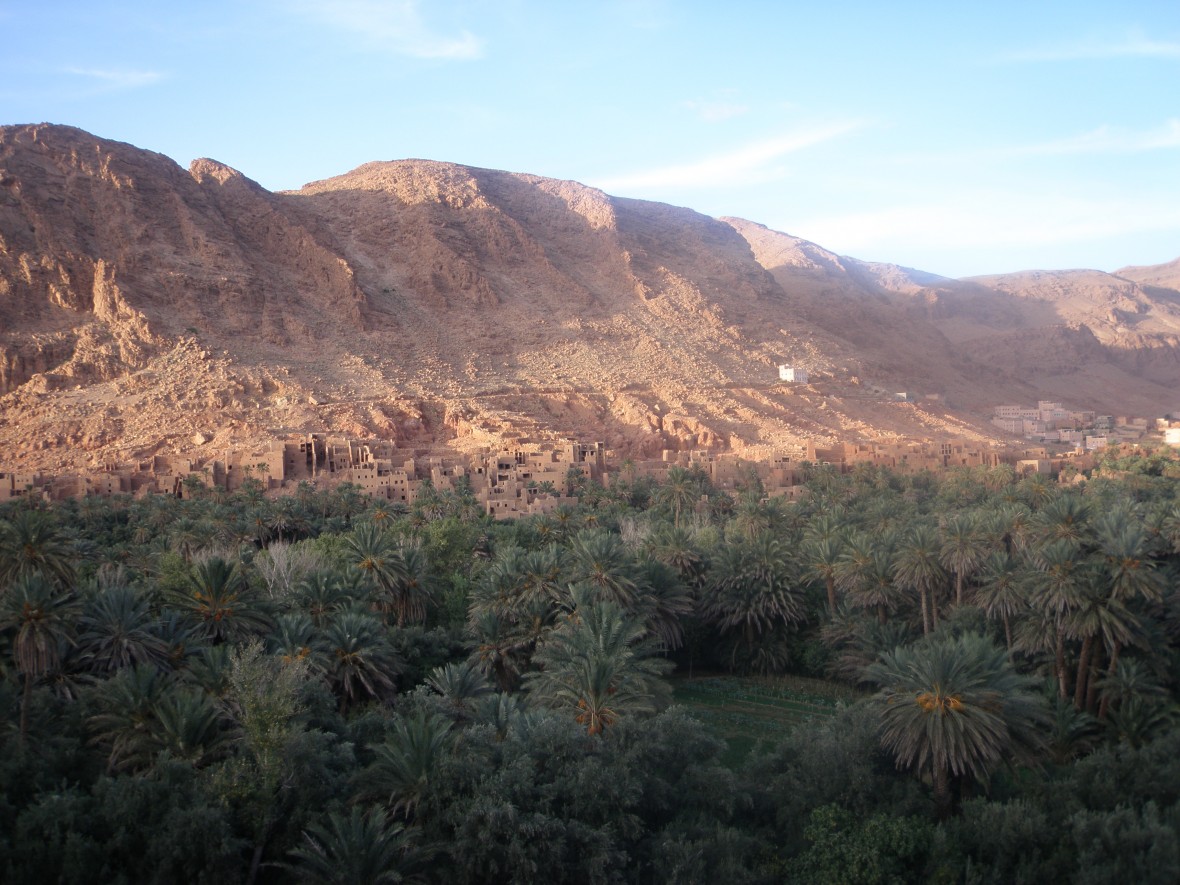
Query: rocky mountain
pixel 146 308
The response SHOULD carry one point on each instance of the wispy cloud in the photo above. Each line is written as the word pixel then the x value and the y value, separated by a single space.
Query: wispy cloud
pixel 396 25
pixel 747 165
pixel 105 79
pixel 1133 45
pixel 716 111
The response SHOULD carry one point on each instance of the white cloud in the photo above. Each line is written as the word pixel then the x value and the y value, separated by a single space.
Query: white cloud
pixel 1107 139
pixel 750 164
pixel 112 79
pixel 1132 46
pixel 395 25
pixel 716 111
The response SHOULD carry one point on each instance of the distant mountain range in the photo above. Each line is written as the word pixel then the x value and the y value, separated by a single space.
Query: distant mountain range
pixel 145 308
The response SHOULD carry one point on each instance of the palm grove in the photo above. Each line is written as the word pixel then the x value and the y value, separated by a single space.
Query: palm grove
pixel 326 688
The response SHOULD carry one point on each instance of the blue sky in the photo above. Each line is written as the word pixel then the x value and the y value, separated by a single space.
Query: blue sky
pixel 956 138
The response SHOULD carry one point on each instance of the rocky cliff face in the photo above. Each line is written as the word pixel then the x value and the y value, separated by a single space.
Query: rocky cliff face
pixel 143 305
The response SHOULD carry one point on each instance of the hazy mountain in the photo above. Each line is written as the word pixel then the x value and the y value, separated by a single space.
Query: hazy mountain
pixel 141 304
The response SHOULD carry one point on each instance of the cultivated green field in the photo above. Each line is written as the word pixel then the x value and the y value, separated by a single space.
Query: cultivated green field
pixel 746 710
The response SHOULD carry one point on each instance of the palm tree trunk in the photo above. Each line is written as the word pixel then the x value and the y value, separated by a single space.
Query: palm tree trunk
pixel 958 588
pixel 942 793
pixel 925 613
pixel 880 613
pixel 255 863
pixel 1079 692
pixel 1110 671
pixel 24 707
pixel 933 609
pixel 1059 665
pixel 1092 686
pixel 1008 634
pixel 831 582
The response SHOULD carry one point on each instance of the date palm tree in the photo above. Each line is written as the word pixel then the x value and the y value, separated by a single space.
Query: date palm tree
pixel 679 491
pixel 31 543
pixel 357 659
pixel 600 666
pixel 599 559
pixel 124 716
pixel 117 629
pixel 41 618
pixel 678 549
pixel 917 566
pixel 461 685
pixel 822 558
pixel 663 603
pixel 1058 585
pixel 963 549
pixel 753 591
pixel 955 707
pixel 1001 591
pixel 1129 574
pixel 322 594
pixel 405 763
pixel 358 848
pixel 410 592
pixel 219 598
pixel 864 574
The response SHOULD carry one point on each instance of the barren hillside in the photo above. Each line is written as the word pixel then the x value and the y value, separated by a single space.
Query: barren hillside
pixel 146 308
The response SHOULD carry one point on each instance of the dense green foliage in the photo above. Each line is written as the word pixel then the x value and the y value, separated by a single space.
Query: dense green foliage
pixel 322 688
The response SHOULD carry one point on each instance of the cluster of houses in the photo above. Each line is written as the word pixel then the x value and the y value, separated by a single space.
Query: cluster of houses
pixel 529 479
pixel 1049 422
pixel 526 478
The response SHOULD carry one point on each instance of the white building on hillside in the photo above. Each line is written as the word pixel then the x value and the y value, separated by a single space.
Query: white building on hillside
pixel 793 374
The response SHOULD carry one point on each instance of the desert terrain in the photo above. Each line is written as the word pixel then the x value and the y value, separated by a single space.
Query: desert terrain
pixel 146 308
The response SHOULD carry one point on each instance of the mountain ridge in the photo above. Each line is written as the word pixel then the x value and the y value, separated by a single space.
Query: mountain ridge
pixel 143 305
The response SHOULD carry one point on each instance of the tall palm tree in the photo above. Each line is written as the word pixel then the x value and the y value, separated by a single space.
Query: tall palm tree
pixel 1058 585
pixel 600 666
pixel 663 603
pixel 461 685
pixel 1128 572
pixel 357 658
pixel 375 554
pixel 1096 617
pixel 41 618
pixel 679 491
pixel 955 707
pixel 864 573
pixel 599 559
pixel 406 762
pixel 117 629
pixel 1065 518
pixel 543 574
pixel 360 848
pixel 496 650
pixel 411 589
pixel 322 594
pixel 753 590
pixel 917 567
pixel 678 549
pixel 124 716
pixel 219 598
pixel 822 558
pixel 189 726
pixel 963 549
pixel 1001 591
pixel 31 543
pixel 293 637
